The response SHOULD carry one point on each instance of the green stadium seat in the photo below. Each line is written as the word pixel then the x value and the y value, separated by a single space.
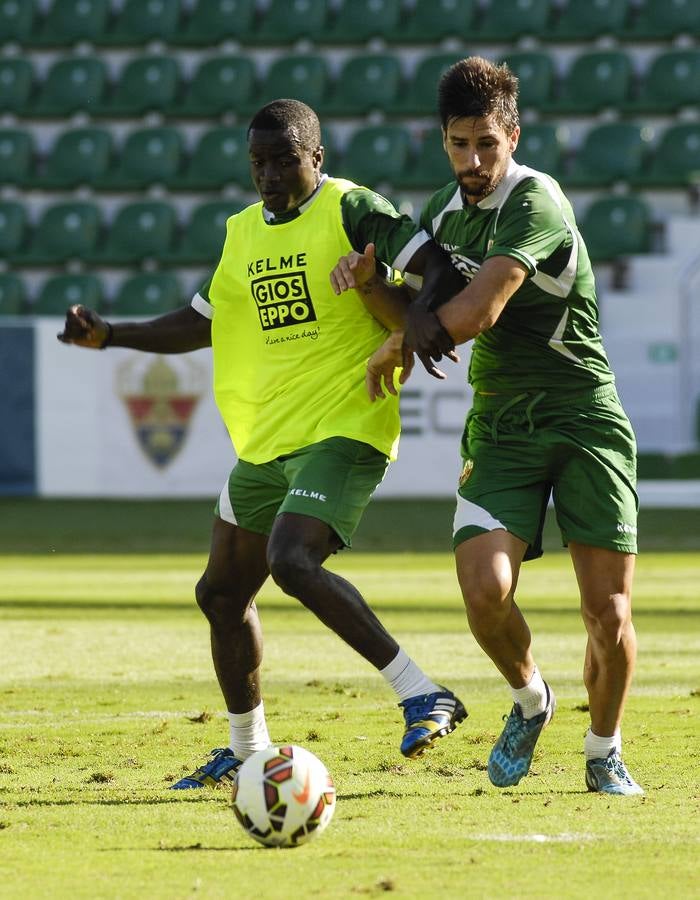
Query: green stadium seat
pixel 287 21
pixel 214 21
pixel 69 22
pixel 356 21
pixel 142 21
pixel 540 147
pixel 141 230
pixel 148 294
pixel 72 84
pixel 13 227
pixel 220 84
pixel 596 80
pixel 431 22
pixel 616 226
pixel 17 21
pixel 536 77
pixel 670 82
pixel 67 231
pixel 430 168
pixel 377 155
pixel 675 161
pixel 582 22
pixel 365 83
pixel 302 76
pixel 16 85
pixel 220 158
pixel 663 20
pixel 16 156
pixel 610 152
pixel 145 84
pixel 419 96
pixel 508 20
pixel 61 291
pixel 204 233
pixel 149 156
pixel 332 156
pixel 78 156
pixel 13 295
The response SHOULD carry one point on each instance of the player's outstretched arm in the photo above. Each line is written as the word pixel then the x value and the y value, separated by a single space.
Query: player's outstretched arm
pixel 176 332
pixel 383 363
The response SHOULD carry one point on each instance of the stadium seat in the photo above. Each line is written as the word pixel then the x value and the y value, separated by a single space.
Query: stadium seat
pixel 670 82
pixel 430 23
pixel 429 169
pixel 16 85
pixel 287 21
pixel 540 147
pixel 302 76
pixel 149 156
pixel 69 22
pixel 61 291
pixel 377 155
pixel 419 96
pixel 582 22
pixel 508 20
pixel 596 80
pixel 66 231
pixel 220 84
pixel 145 84
pixel 662 20
pixel 356 21
pixel 332 155
pixel 365 83
pixel 675 161
pixel 536 78
pixel 141 230
pixel 73 84
pixel 17 21
pixel 610 152
pixel 141 21
pixel 78 156
pixel 16 156
pixel 616 226
pixel 214 21
pixel 13 227
pixel 13 295
pixel 148 294
pixel 220 158
pixel 204 234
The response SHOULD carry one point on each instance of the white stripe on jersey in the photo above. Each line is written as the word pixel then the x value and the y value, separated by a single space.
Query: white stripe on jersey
pixel 203 307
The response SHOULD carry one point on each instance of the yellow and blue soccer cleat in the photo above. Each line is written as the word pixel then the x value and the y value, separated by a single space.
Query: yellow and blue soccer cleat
pixel 219 769
pixel 511 756
pixel 429 717
pixel 610 776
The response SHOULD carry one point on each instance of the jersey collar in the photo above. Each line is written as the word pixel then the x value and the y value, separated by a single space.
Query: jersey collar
pixel 503 188
pixel 291 214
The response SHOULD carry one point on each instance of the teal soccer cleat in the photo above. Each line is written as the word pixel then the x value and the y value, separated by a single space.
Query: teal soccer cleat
pixel 610 776
pixel 511 756
pixel 429 717
pixel 220 769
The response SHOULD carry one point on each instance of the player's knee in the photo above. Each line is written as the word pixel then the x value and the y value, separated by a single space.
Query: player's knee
pixel 291 568
pixel 218 608
pixel 486 592
pixel 608 622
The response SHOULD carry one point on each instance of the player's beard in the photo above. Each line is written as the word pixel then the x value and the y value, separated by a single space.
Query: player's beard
pixel 486 185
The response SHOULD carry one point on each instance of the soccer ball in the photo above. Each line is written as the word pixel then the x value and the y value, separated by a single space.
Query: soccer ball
pixel 283 796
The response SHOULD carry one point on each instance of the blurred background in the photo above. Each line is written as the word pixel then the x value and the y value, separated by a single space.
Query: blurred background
pixel 123 151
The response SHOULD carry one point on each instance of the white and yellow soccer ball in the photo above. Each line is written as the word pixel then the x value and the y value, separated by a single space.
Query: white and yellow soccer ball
pixel 283 796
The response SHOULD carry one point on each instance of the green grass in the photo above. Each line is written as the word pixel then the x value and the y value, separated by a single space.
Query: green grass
pixel 107 694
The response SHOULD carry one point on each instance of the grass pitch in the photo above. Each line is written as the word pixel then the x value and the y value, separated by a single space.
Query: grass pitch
pixel 108 695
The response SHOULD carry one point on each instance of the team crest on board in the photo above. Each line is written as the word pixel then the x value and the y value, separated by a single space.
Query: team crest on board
pixel 467 469
pixel 160 397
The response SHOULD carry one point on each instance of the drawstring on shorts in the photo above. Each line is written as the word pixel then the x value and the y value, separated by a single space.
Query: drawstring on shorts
pixel 511 403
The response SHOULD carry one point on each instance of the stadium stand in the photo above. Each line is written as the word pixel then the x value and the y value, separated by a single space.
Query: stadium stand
pixel 616 226
pixel 67 231
pixel 13 295
pixel 16 156
pixel 17 20
pixel 510 20
pixel 149 156
pixel 68 22
pixel 142 230
pixel 13 227
pixel 78 156
pixel 72 84
pixel 601 79
pixel 430 23
pixel 220 84
pixel 536 75
pixel 16 85
pixel 579 22
pixel 147 294
pixel 284 22
pixel 220 158
pixel 211 22
pixel 377 155
pixel 356 21
pixel 61 291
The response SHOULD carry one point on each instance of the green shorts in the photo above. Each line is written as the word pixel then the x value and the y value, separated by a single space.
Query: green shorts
pixel 332 480
pixel 579 449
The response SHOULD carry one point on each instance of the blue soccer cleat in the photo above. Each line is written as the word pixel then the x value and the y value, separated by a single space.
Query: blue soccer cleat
pixel 610 776
pixel 511 756
pixel 220 769
pixel 429 717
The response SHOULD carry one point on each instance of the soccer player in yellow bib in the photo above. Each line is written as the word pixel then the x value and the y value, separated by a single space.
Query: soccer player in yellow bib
pixel 289 379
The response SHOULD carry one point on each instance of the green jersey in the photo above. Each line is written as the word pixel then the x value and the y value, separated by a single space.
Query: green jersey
pixel 547 336
pixel 290 355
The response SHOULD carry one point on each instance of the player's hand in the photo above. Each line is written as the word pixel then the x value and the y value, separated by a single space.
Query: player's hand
pixel 84 327
pixel 426 336
pixel 383 363
pixel 354 270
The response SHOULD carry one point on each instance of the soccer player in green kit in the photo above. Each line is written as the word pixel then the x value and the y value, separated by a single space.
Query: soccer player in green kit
pixel 546 419
pixel 289 380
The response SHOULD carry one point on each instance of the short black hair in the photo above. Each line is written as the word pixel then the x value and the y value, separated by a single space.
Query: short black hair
pixel 475 87
pixel 293 116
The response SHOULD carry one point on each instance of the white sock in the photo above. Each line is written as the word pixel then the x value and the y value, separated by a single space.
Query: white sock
pixel 248 732
pixel 597 747
pixel 532 699
pixel 406 678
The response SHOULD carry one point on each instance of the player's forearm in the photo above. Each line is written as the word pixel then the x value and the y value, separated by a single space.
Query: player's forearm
pixel 177 332
pixel 386 302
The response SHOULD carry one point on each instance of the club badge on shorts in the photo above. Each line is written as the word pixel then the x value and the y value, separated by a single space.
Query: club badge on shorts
pixel 466 471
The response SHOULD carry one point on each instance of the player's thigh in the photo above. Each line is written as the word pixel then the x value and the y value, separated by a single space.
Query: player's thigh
pixel 605 581
pixel 237 564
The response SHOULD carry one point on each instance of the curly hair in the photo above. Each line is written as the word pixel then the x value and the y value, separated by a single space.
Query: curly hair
pixel 292 116
pixel 475 87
